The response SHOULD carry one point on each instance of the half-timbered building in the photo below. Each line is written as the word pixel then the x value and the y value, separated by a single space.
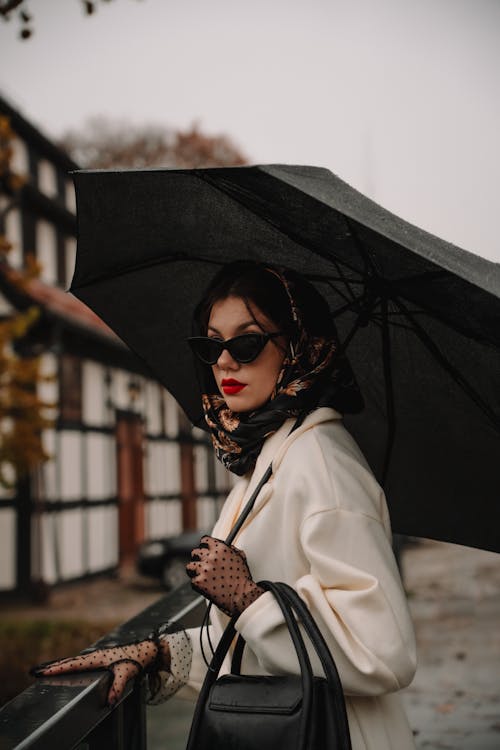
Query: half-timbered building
pixel 125 465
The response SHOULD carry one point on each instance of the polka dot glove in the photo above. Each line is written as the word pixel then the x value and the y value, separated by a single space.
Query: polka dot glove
pixel 220 573
pixel 123 662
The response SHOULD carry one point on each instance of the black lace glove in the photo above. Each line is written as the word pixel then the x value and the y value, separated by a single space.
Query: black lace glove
pixel 220 573
pixel 123 662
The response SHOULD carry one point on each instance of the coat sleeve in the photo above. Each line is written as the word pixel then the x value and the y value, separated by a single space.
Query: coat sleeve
pixel 198 666
pixel 351 586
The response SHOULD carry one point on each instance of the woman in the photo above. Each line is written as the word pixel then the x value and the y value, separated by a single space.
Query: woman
pixel 267 362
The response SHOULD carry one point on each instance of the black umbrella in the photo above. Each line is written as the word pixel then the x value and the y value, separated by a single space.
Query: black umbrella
pixel 418 317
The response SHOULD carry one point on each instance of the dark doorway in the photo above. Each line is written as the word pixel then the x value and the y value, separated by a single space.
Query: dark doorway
pixel 130 483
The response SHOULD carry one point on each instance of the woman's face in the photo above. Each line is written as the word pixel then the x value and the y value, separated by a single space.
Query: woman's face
pixel 228 318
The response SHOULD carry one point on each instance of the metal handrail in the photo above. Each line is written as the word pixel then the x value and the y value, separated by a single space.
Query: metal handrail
pixel 70 712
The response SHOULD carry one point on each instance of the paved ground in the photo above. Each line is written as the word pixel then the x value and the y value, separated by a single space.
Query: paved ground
pixel 454 701
pixel 105 600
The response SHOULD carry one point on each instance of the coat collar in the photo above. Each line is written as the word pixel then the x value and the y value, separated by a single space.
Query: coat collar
pixel 273 450
pixel 276 445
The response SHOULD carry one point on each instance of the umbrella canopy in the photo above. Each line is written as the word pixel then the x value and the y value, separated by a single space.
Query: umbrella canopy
pixel 418 317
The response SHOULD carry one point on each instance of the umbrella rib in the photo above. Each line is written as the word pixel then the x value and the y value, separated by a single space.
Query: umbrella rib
pixel 330 281
pixel 343 277
pixel 455 374
pixel 290 235
pixel 377 319
pixel 396 313
pixel 320 278
pixel 341 294
pixel 176 258
pixel 389 391
pixel 348 306
pixel 368 261
pixel 378 322
pixel 360 320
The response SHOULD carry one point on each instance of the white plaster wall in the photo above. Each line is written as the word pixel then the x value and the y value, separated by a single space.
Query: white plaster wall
pixel 171 414
pixel 157 470
pixel 162 468
pixel 201 468
pixel 101 465
pixel 224 479
pixel 48 390
pixel 71 543
pixel 46 250
pixel 119 389
pixel 13 232
pixel 6 493
pixel 49 470
pixel 139 403
pixel 153 407
pixel 48 527
pixel 19 162
pixel 112 535
pixel 170 454
pixel 47 179
pixel 70 196
pixel 70 250
pixel 62 533
pixel 70 462
pixel 206 513
pixel 102 535
pixel 93 393
pixel 7 549
pixel 198 433
pixel 120 394
pixel 5 307
pixel 163 518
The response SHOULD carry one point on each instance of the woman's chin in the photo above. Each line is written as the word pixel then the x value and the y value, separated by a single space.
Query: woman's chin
pixel 241 402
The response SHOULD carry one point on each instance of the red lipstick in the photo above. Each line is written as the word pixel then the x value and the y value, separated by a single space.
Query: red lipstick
pixel 231 386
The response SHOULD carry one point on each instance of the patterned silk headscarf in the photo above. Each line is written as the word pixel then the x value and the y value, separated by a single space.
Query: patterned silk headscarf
pixel 311 376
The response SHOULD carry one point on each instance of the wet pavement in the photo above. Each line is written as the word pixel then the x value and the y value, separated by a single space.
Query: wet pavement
pixel 110 599
pixel 454 700
pixel 454 594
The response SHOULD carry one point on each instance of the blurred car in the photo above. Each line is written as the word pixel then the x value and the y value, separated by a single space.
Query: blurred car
pixel 166 558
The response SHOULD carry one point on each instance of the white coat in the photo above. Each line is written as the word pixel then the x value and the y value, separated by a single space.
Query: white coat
pixel 321 525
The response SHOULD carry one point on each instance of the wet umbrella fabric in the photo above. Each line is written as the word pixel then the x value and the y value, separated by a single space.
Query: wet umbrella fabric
pixel 419 318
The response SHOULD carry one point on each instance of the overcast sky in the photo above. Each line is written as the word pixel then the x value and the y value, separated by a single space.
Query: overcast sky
pixel 400 98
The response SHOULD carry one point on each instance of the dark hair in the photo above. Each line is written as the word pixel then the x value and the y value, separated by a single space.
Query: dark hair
pixel 255 283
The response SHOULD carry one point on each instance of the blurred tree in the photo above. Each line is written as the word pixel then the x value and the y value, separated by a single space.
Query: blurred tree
pixel 105 143
pixel 23 414
pixel 8 8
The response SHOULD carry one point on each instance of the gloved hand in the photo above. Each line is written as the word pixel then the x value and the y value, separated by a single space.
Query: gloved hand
pixel 123 662
pixel 220 573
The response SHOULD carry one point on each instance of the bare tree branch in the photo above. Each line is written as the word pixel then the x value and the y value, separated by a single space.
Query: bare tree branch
pixel 9 5
pixel 106 143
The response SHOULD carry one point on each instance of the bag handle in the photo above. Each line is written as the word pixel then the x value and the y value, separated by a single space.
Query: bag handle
pixel 327 661
pixel 297 606
pixel 290 603
pixel 218 659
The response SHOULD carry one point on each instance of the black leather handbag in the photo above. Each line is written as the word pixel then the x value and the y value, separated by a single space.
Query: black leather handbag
pixel 259 712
